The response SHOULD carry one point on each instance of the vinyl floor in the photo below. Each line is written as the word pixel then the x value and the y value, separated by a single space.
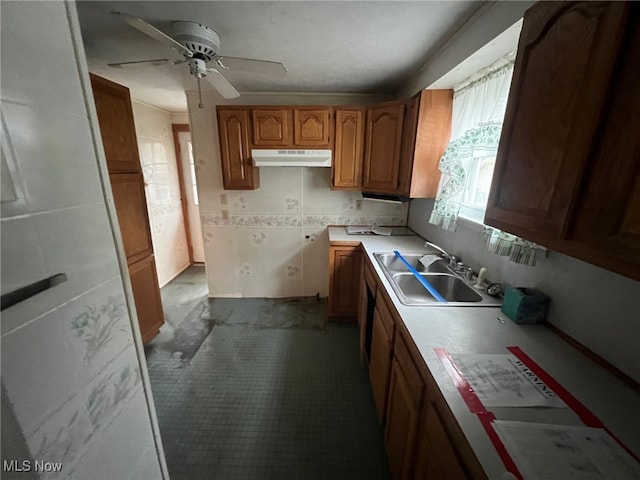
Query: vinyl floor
pixel 260 389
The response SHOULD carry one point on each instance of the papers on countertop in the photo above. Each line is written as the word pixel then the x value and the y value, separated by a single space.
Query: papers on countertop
pixel 368 230
pixel 502 380
pixel 549 452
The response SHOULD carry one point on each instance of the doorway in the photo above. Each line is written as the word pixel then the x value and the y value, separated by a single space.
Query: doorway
pixel 188 191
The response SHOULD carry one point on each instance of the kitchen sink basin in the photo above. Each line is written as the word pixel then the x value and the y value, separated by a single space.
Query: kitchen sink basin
pixel 391 263
pixel 452 288
pixel 455 290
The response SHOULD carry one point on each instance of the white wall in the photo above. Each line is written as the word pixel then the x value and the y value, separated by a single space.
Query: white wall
pixel 182 118
pixel 493 19
pixel 74 386
pixel 262 249
pixel 596 307
pixel 160 171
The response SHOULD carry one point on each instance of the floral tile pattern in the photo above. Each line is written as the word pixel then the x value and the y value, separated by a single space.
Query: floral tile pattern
pixel 258 238
pixel 95 325
pixel 325 220
pixel 244 270
pixel 293 204
pixel 284 221
pixel 292 270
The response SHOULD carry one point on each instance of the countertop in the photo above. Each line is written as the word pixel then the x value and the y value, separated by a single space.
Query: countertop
pixel 476 330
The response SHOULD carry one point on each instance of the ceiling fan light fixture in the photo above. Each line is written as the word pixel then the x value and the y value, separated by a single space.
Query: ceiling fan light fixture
pixel 197 67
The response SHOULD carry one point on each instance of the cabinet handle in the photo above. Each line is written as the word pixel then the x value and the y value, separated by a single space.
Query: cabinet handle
pixel 24 293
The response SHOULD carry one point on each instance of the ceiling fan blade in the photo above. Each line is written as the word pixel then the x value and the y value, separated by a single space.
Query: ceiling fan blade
pixel 142 63
pixel 262 67
pixel 221 84
pixel 154 33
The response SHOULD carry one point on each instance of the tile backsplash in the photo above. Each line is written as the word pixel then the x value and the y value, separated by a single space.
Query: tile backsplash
pixel 272 242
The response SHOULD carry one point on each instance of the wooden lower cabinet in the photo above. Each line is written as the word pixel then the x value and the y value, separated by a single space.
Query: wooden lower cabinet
pixel 345 272
pixel 436 456
pixel 144 283
pixel 380 363
pixel 423 439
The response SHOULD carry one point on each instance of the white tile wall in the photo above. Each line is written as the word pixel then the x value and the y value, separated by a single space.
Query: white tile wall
pixel 39 68
pixel 261 249
pixel 69 366
pixel 37 137
pixel 160 170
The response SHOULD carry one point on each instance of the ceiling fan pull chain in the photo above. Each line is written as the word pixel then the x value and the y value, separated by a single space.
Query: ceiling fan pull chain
pixel 200 105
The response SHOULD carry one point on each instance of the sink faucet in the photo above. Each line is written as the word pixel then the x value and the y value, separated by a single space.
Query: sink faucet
pixel 452 260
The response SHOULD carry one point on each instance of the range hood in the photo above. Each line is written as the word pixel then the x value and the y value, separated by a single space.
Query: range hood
pixel 385 197
pixel 291 158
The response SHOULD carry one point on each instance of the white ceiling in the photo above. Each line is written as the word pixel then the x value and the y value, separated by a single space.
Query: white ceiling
pixel 337 47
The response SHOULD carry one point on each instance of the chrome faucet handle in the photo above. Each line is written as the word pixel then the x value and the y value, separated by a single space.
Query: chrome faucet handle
pixel 465 270
pixel 449 258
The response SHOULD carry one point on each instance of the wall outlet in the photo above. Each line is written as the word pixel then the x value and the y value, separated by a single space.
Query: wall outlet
pixel 358 204
pixel 223 199
pixel 225 214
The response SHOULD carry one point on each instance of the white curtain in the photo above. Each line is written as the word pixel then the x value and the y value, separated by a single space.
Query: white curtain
pixel 479 105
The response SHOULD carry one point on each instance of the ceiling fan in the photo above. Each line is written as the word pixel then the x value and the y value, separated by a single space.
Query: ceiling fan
pixel 199 45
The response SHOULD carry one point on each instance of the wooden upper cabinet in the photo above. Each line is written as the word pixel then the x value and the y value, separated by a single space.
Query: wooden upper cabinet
pixel 312 127
pixel 382 150
pixel 346 168
pixel 426 134
pixel 564 65
pixel 238 173
pixel 113 104
pixel 271 127
pixel 568 164
pixel 607 225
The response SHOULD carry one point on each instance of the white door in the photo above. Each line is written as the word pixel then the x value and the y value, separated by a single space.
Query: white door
pixel 191 192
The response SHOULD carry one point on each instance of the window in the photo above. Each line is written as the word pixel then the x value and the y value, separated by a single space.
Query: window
pixel 467 163
pixel 476 192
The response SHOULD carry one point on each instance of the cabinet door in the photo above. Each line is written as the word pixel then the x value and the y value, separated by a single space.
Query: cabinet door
pixel 144 283
pixel 406 390
pixel 402 423
pixel 409 130
pixel 271 127
pixel 564 63
pixel 312 127
pixel 346 169
pixel 115 116
pixel 237 171
pixel 432 129
pixel 131 206
pixel 436 456
pixel 607 226
pixel 345 267
pixel 380 364
pixel 382 152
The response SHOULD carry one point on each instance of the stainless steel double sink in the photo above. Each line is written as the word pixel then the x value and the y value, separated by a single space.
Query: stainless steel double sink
pixel 448 283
